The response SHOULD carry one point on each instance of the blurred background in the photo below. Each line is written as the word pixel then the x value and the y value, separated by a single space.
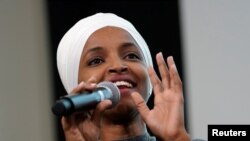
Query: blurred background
pixel 209 40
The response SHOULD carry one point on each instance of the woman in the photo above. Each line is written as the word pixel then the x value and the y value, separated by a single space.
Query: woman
pixel 105 47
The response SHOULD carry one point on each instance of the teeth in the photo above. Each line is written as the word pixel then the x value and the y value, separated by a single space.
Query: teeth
pixel 123 83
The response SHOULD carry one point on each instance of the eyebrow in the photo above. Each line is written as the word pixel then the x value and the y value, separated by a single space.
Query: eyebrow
pixel 94 49
pixel 123 46
pixel 128 44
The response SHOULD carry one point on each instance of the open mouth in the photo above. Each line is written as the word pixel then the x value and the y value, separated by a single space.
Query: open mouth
pixel 123 84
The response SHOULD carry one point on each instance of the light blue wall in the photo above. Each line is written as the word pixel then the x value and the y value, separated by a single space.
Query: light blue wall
pixel 216 36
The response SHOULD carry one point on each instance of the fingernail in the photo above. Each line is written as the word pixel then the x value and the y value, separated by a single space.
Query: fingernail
pixel 92 77
pixel 160 53
pixel 81 83
pixel 92 84
pixel 171 58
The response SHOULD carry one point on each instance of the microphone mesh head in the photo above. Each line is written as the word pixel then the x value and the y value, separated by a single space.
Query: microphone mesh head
pixel 114 89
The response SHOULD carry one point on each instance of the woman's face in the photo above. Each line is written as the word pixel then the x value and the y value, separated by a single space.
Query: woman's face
pixel 111 54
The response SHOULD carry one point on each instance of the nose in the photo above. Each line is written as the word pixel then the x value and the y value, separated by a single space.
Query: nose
pixel 118 66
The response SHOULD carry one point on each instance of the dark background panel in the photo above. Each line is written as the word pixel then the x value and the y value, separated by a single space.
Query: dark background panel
pixel 156 20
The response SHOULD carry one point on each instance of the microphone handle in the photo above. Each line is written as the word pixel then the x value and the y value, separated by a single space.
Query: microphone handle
pixel 89 101
pixel 76 103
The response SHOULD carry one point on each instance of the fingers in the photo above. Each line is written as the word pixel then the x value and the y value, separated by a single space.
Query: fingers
pixel 169 74
pixel 66 123
pixel 156 82
pixel 100 108
pixel 141 105
pixel 89 85
pixel 73 120
pixel 175 81
pixel 163 70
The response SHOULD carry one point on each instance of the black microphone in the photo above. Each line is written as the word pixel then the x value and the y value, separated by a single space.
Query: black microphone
pixel 86 101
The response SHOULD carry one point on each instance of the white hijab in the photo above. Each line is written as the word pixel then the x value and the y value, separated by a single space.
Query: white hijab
pixel 71 45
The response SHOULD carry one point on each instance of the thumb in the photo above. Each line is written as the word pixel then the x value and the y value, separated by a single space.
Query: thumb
pixel 141 105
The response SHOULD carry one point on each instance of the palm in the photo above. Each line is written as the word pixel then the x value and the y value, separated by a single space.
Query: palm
pixel 166 119
pixel 166 114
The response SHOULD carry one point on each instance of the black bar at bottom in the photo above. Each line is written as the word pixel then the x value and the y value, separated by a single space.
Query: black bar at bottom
pixel 226 132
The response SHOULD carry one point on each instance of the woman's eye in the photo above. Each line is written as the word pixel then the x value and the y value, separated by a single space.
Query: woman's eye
pixel 132 56
pixel 95 61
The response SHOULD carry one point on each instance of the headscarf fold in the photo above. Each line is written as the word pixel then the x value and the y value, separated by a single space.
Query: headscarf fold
pixel 71 45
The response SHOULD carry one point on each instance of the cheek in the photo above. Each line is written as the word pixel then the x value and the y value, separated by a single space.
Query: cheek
pixel 143 82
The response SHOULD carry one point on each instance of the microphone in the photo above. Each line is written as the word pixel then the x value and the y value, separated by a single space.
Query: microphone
pixel 87 100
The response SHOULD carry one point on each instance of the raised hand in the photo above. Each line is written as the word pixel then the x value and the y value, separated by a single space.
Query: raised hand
pixel 166 119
